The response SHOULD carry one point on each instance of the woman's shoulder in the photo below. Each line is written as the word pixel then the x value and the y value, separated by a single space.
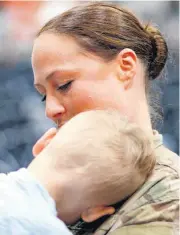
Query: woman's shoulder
pixel 155 202
pixel 166 157
pixel 158 198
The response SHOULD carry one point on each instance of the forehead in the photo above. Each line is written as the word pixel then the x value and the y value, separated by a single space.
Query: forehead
pixel 50 48
pixel 55 52
pixel 50 42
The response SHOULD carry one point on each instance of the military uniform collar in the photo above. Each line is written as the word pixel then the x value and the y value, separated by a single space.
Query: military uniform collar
pixel 157 139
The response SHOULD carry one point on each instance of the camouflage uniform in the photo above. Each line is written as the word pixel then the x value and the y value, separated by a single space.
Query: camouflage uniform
pixel 154 208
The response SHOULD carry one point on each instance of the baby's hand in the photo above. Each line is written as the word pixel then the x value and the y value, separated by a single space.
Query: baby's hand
pixel 44 141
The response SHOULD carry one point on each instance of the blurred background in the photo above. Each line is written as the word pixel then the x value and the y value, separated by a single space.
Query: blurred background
pixel 22 119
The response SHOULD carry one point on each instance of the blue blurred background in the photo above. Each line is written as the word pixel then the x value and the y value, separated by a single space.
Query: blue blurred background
pixel 22 119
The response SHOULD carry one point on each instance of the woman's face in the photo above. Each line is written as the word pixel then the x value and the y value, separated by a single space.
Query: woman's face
pixel 73 80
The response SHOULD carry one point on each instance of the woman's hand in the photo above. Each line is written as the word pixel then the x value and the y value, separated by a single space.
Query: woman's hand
pixel 43 141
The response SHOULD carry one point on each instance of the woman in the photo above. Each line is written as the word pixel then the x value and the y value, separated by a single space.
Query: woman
pixel 98 56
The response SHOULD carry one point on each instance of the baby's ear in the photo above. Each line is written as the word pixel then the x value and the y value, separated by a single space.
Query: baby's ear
pixel 95 213
pixel 43 141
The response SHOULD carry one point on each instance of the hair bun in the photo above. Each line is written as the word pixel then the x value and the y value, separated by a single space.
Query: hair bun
pixel 158 57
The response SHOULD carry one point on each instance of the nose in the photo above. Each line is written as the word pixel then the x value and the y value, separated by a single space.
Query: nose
pixel 54 108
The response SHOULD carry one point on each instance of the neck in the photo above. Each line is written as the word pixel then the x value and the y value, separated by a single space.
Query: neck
pixel 140 111
pixel 140 115
pixel 143 118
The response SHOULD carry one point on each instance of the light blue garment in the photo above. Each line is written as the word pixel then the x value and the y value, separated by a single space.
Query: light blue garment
pixel 26 208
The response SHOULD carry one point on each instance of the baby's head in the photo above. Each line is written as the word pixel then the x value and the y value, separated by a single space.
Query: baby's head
pixel 102 159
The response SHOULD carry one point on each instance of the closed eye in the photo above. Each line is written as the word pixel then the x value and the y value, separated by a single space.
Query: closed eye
pixel 65 87
pixel 43 98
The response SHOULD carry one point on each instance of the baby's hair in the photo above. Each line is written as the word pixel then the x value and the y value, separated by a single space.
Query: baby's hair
pixel 112 156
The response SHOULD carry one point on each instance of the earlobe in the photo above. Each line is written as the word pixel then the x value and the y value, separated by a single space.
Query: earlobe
pixel 43 141
pixel 129 80
pixel 93 214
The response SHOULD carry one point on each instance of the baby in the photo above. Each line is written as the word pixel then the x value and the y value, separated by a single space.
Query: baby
pixel 95 160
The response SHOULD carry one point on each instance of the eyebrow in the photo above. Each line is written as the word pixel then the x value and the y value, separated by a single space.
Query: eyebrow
pixel 60 72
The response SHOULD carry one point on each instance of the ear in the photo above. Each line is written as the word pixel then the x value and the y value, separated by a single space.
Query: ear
pixel 43 141
pixel 127 66
pixel 93 214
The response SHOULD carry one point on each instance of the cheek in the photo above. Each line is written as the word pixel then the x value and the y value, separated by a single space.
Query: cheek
pixel 93 97
pixel 83 100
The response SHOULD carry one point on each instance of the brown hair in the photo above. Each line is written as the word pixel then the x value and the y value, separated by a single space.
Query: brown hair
pixel 105 29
